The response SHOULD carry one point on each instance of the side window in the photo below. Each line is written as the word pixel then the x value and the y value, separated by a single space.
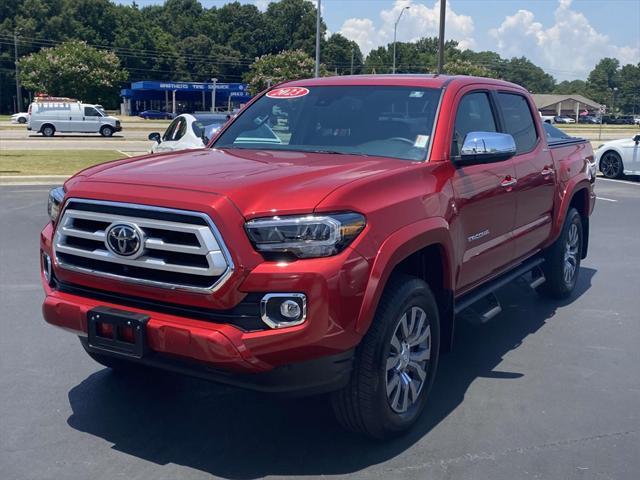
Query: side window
pixel 474 115
pixel 90 112
pixel 168 134
pixel 180 129
pixel 518 121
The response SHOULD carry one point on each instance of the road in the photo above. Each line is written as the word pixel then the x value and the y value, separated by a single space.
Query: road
pixel 546 390
pixel 129 140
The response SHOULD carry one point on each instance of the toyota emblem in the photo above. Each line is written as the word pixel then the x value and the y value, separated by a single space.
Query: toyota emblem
pixel 124 240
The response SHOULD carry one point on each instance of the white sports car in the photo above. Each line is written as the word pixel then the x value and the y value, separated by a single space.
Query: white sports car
pixel 188 131
pixel 21 118
pixel 619 157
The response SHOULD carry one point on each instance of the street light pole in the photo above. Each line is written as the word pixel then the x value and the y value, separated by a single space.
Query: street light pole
pixel 213 95
pixel 613 98
pixel 395 31
pixel 318 8
pixel 18 89
pixel 443 12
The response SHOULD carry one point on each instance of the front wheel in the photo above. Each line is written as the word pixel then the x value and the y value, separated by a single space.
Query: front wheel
pixel 106 131
pixel 562 263
pixel 22 120
pixel 395 364
pixel 611 165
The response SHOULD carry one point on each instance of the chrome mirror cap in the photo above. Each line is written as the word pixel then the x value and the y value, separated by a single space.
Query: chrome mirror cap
pixel 487 146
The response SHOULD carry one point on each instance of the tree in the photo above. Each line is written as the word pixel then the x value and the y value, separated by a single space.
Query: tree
pixel 567 87
pixel 629 81
pixel 272 69
pixel 465 67
pixel 73 69
pixel 337 53
pixel 292 24
pixel 524 72
pixel 603 79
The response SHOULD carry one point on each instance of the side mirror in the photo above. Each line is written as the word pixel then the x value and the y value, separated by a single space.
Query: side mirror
pixel 636 139
pixel 155 137
pixel 486 147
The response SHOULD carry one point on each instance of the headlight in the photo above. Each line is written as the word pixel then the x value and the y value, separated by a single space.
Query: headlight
pixel 56 195
pixel 305 236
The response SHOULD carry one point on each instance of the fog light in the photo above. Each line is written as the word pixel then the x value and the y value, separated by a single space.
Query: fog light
pixel 290 309
pixel 46 268
pixel 279 310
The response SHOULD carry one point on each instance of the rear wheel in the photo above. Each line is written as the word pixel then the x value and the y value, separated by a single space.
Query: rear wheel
pixel 611 165
pixel 48 130
pixel 562 263
pixel 22 120
pixel 106 131
pixel 395 364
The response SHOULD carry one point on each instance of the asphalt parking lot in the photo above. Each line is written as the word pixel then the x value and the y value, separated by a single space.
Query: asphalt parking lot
pixel 546 390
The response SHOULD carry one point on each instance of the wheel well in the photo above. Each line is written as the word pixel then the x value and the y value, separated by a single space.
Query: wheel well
pixel 429 265
pixel 579 201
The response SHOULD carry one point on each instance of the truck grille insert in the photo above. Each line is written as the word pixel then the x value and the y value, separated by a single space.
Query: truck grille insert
pixel 147 245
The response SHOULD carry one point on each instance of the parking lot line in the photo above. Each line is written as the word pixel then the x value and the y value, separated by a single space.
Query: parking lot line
pixel 628 182
pixel 606 199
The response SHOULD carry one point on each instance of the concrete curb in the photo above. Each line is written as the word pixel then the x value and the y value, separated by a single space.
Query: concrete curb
pixel 18 180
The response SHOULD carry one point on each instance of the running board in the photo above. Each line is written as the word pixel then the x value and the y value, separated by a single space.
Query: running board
pixel 490 287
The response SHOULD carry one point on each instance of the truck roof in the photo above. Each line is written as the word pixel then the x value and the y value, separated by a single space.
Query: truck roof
pixel 412 79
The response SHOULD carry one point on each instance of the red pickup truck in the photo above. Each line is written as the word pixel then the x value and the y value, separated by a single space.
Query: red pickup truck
pixel 325 241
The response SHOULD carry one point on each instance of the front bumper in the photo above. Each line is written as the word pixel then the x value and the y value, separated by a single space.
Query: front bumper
pixel 307 358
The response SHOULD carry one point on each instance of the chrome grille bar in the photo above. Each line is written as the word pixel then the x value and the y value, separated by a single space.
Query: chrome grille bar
pixel 194 252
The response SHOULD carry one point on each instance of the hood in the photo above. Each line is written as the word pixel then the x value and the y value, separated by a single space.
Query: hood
pixel 258 182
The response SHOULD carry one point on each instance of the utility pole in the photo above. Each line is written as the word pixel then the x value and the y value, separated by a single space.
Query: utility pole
pixel 443 12
pixel 352 53
pixel 213 95
pixel 319 7
pixel 18 89
pixel 395 31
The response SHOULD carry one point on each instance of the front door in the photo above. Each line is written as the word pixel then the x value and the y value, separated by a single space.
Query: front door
pixel 91 120
pixel 535 172
pixel 485 203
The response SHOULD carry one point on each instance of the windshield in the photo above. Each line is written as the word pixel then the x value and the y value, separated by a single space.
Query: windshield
pixel 377 120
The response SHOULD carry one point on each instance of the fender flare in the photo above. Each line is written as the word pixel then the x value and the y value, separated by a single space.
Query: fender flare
pixel 398 246
pixel 575 186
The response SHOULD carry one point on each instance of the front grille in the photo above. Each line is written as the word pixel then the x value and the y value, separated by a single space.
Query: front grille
pixel 178 249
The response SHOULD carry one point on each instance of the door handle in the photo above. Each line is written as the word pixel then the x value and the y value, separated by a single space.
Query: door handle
pixel 508 182
pixel 546 171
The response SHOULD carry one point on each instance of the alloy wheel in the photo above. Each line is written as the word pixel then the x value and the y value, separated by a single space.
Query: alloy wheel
pixel 408 359
pixel 571 254
pixel 610 165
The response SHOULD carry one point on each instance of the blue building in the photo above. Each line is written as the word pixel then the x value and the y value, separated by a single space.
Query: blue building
pixel 179 97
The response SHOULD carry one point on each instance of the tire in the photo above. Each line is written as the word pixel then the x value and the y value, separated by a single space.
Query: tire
pixel 106 131
pixel 22 120
pixel 364 406
pixel 562 262
pixel 611 165
pixel 48 130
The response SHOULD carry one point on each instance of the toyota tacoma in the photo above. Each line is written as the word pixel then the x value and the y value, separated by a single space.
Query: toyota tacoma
pixel 325 241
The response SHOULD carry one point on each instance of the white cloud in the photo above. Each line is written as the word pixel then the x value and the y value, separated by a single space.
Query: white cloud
pixel 417 22
pixel 568 49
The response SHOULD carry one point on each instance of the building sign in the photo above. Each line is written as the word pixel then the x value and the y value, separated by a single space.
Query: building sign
pixel 189 86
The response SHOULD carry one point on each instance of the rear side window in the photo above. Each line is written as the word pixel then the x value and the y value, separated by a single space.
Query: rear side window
pixel 474 115
pixel 518 121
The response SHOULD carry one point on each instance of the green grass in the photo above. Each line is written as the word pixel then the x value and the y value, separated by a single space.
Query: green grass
pixel 52 162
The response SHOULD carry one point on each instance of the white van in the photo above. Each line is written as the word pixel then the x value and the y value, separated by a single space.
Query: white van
pixel 65 115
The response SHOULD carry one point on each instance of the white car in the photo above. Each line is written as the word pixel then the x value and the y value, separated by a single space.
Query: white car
pixel 49 115
pixel 189 131
pixel 20 118
pixel 619 157
pixel 563 119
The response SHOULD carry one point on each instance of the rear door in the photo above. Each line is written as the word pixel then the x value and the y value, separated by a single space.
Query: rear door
pixel 535 173
pixel 485 204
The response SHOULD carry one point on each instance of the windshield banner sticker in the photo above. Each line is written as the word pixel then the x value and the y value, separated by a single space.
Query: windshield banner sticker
pixel 288 92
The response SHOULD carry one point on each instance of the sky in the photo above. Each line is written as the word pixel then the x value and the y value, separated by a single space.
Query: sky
pixel 565 37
